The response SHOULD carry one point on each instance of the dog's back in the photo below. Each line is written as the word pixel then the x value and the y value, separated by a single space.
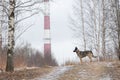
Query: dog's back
pixel 85 53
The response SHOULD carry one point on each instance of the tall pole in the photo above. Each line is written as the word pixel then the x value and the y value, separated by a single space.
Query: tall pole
pixel 47 38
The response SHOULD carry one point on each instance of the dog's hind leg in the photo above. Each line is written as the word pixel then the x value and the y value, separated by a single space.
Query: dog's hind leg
pixel 90 57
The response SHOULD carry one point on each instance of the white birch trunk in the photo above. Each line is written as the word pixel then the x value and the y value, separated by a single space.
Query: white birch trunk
pixel 99 33
pixel 96 28
pixel 1 25
pixel 11 43
pixel 103 31
pixel 83 27
pixel 118 24
pixel 0 35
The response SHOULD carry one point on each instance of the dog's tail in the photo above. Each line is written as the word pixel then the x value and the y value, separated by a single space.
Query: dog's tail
pixel 93 55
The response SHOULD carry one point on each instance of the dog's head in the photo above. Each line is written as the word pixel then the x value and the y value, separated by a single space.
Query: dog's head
pixel 75 49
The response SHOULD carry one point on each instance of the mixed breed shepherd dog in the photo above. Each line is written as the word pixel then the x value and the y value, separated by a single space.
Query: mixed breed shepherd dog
pixel 82 54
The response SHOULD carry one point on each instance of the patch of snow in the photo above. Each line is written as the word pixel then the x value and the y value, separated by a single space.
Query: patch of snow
pixel 1 70
pixel 24 68
pixel 83 73
pixel 106 77
pixel 55 74
pixel 109 64
pixel 31 67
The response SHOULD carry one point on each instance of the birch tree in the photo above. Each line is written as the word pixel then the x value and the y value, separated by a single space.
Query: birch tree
pixel 108 29
pixel 101 32
pixel 11 42
pixel 2 31
pixel 103 29
pixel 0 39
pixel 15 11
pixel 83 27
pixel 118 24
pixel 77 23
pixel 86 24
pixel 1 23
pixel 94 22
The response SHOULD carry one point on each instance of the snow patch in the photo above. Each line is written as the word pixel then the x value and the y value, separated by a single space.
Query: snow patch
pixel 1 70
pixel 25 68
pixel 109 64
pixel 106 77
pixel 83 73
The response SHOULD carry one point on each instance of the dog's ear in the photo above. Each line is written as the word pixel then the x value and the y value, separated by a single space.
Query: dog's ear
pixel 75 47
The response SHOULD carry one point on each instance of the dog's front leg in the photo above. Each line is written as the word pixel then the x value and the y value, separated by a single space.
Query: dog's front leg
pixel 80 60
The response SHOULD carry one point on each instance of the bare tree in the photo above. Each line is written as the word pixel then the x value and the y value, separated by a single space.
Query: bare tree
pixel 11 42
pixel 83 27
pixel 98 25
pixel 111 28
pixel 14 10
pixel 94 23
pixel 103 29
pixel 87 25
pixel 1 13
pixel 78 22
pixel 118 25
pixel 1 9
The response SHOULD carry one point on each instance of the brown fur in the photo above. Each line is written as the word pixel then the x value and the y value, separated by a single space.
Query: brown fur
pixel 82 54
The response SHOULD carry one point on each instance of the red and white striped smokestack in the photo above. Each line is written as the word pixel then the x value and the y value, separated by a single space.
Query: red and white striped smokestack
pixel 47 37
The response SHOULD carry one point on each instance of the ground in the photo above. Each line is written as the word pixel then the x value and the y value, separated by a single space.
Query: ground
pixel 85 71
pixel 93 71
pixel 25 73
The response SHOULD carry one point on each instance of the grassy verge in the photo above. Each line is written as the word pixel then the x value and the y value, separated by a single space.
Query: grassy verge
pixel 25 74
pixel 90 71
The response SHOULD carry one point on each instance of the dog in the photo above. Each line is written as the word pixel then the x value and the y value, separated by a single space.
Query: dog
pixel 82 54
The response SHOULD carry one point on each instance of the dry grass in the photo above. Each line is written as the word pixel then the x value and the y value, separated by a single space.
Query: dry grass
pixel 91 71
pixel 25 74
pixel 115 70
pixel 70 62
pixel 82 72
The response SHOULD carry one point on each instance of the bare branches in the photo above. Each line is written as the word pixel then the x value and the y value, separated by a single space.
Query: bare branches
pixel 21 33
pixel 28 3
pixel 24 9
pixel 99 21
pixel 25 17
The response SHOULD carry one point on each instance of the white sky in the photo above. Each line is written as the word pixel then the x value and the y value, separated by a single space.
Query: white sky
pixel 62 37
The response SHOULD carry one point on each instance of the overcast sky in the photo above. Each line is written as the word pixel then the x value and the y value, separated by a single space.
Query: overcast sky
pixel 61 35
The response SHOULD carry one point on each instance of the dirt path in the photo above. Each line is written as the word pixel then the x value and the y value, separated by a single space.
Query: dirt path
pixel 55 74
